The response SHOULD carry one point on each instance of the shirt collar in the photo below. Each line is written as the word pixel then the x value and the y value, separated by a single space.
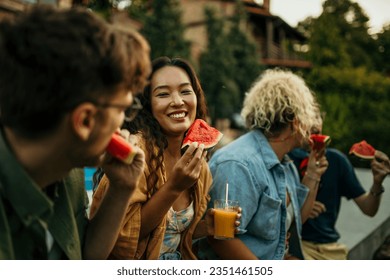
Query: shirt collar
pixel 25 196
pixel 269 156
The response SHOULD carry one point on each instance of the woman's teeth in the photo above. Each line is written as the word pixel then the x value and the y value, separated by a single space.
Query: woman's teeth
pixel 177 116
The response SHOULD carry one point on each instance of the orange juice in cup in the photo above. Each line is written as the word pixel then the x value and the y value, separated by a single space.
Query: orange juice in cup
pixel 224 218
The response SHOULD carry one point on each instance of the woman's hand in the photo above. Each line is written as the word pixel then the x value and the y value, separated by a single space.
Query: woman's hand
pixel 186 171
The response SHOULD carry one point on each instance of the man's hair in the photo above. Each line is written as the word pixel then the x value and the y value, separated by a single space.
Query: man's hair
pixel 276 100
pixel 51 60
pixel 138 62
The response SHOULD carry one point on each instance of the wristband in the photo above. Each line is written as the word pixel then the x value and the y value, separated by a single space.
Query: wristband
pixel 316 179
pixel 378 193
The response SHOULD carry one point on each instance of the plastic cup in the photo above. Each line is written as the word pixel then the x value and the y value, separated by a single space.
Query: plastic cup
pixel 224 218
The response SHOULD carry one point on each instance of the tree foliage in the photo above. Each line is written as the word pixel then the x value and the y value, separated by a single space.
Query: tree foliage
pixel 101 7
pixel 229 65
pixel 339 36
pixel 245 51
pixel 138 9
pixel 357 106
pixel 217 69
pixel 163 28
pixel 383 47
pixel 355 97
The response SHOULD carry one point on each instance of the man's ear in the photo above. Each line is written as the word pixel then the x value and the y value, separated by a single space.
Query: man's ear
pixel 83 120
pixel 295 125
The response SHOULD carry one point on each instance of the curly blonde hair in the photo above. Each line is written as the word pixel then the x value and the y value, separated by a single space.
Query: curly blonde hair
pixel 278 98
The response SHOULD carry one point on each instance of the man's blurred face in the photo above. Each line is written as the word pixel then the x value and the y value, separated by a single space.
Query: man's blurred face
pixel 109 119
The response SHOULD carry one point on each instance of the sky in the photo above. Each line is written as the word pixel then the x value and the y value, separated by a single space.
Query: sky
pixel 293 11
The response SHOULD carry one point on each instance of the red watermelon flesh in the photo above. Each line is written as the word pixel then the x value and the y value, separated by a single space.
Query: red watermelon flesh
pixel 363 150
pixel 121 149
pixel 303 166
pixel 203 133
pixel 320 141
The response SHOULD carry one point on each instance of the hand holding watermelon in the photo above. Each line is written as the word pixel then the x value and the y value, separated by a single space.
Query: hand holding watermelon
pixel 186 171
pixel 123 163
pixel 121 149
pixel 380 163
pixel 320 141
pixel 380 167
pixel 363 150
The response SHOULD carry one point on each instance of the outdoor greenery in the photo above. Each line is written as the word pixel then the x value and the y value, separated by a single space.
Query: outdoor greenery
pixel 102 7
pixel 383 43
pixel 163 28
pixel 217 70
pixel 350 73
pixel 234 60
pixel 349 76
pixel 226 68
pixel 245 52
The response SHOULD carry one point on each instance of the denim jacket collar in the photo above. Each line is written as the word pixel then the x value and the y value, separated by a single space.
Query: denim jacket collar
pixel 269 156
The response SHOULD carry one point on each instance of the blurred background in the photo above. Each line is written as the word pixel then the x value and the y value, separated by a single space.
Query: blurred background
pixel 340 47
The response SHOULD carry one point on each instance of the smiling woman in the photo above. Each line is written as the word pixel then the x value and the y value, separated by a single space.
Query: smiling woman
pixel 167 212
pixel 173 100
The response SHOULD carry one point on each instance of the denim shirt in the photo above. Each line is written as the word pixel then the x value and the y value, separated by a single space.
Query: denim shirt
pixel 258 180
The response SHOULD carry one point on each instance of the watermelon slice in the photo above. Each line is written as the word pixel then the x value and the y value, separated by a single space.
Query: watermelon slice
pixel 303 166
pixel 203 133
pixel 363 150
pixel 320 141
pixel 121 149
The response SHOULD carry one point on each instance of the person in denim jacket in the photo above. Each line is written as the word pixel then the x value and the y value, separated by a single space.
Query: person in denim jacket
pixel 279 110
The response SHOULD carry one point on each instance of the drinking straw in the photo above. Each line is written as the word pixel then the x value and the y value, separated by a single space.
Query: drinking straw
pixel 226 194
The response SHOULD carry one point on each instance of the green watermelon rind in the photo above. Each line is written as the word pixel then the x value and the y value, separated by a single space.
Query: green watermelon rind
pixel 119 148
pixel 357 150
pixel 213 137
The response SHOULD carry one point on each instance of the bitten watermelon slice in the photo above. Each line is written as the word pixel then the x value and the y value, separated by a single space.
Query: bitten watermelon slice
pixel 363 150
pixel 320 141
pixel 202 133
pixel 121 149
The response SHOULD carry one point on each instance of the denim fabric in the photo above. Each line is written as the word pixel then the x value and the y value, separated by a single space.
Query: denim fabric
pixel 258 180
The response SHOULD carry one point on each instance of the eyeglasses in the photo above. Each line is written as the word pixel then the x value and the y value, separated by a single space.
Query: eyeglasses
pixel 130 111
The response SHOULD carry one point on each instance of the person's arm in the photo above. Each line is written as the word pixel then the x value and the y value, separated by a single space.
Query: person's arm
pixel 105 225
pixel 233 249
pixel 205 227
pixel 317 166
pixel 369 202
